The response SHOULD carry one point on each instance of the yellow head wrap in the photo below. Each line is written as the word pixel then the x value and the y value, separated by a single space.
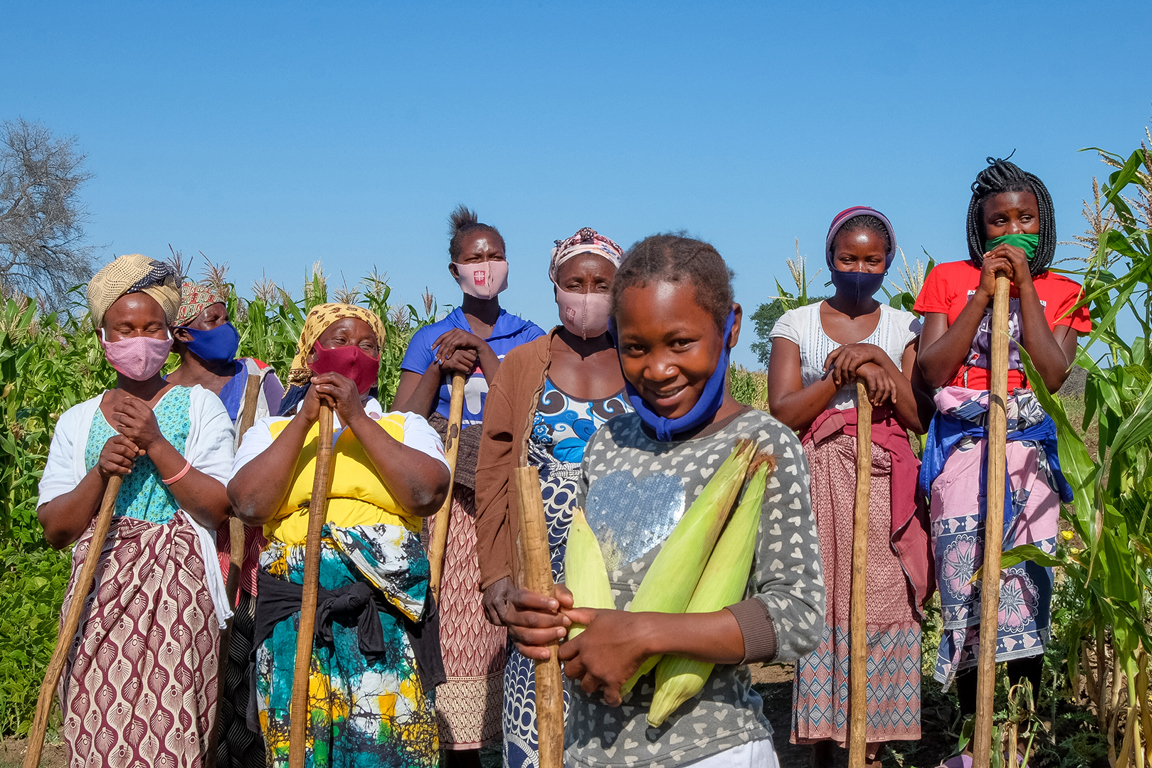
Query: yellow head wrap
pixel 318 320
pixel 133 274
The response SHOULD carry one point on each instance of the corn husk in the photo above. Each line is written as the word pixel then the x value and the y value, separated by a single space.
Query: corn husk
pixel 584 572
pixel 674 573
pixel 723 583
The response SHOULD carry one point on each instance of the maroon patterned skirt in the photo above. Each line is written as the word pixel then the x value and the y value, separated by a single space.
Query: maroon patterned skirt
pixel 139 685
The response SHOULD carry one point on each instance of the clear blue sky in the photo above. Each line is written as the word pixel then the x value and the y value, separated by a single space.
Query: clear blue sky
pixel 270 135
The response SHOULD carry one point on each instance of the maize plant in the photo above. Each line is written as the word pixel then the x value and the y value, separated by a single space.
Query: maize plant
pixel 1108 633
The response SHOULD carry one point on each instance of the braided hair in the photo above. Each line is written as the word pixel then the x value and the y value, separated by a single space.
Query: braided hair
pixel 866 223
pixel 462 221
pixel 1003 176
pixel 674 258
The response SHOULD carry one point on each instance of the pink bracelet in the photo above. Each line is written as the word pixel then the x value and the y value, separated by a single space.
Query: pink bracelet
pixel 178 475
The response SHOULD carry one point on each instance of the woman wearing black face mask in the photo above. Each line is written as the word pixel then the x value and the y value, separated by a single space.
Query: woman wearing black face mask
pixel 207 344
pixel 818 353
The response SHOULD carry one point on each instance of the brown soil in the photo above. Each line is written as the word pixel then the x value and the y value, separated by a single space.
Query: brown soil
pixel 54 754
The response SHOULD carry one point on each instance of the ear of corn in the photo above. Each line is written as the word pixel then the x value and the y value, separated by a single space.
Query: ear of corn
pixel 722 584
pixel 584 571
pixel 674 573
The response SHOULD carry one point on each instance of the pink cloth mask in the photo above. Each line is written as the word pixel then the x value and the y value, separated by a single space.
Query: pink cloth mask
pixel 137 357
pixel 483 280
pixel 349 361
pixel 584 314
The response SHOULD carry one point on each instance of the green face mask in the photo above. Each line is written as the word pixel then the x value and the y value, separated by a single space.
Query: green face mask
pixel 1027 242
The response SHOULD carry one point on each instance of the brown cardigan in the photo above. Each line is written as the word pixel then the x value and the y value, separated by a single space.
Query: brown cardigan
pixel 508 414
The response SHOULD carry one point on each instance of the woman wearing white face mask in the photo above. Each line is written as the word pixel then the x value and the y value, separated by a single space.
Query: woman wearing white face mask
pixel 471 340
pixel 548 400
pixel 159 601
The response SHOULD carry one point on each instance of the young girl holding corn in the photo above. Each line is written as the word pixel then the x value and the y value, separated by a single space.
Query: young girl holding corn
pixel 675 324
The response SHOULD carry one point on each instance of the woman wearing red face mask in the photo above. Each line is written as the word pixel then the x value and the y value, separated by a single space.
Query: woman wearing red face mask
pixel 207 343
pixel 550 397
pixel 374 660
pixel 159 600
pixel 471 340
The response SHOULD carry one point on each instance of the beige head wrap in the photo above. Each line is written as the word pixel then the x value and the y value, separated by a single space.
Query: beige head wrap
pixel 318 320
pixel 133 274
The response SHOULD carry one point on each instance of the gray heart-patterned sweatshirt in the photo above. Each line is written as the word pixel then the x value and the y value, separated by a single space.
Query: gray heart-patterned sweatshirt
pixel 634 490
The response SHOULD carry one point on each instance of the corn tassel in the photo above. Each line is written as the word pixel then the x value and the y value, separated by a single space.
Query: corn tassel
pixel 585 574
pixel 674 573
pixel 722 584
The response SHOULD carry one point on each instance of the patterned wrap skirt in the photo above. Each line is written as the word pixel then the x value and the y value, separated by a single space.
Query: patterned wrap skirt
pixel 821 688
pixel 958 512
pixel 139 684
pixel 364 711
pixel 468 704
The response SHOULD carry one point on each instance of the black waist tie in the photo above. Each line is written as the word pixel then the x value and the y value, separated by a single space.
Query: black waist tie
pixel 277 600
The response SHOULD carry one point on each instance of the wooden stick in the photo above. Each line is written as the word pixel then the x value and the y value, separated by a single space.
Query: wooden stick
pixel 858 666
pixel 80 592
pixel 299 715
pixel 232 583
pixel 439 540
pixel 993 526
pixel 537 576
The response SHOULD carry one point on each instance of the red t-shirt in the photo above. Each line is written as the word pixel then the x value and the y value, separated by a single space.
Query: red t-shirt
pixel 948 288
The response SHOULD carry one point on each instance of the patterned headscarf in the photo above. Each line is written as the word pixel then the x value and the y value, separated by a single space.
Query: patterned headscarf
pixel 133 273
pixel 318 321
pixel 195 298
pixel 587 240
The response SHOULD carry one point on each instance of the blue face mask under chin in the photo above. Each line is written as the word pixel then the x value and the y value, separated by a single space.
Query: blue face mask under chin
pixel 858 286
pixel 705 408
pixel 217 345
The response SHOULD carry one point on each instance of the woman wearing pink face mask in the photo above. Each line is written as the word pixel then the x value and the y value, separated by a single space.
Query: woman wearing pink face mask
pixel 550 397
pixel 159 603
pixel 471 340
pixel 375 661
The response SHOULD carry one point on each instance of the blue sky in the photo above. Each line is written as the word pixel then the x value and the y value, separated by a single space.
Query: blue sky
pixel 271 135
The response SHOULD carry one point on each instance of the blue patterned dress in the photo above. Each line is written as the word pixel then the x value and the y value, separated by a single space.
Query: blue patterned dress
pixel 562 427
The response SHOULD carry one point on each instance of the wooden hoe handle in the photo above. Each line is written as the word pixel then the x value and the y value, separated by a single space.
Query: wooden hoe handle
pixel 299 715
pixel 858 658
pixel 537 575
pixel 993 526
pixel 80 592
pixel 451 447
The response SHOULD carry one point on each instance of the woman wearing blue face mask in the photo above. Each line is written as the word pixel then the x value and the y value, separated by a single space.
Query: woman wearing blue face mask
pixel 819 351
pixel 207 345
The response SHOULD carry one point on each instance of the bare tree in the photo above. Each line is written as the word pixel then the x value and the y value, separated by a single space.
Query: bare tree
pixel 41 217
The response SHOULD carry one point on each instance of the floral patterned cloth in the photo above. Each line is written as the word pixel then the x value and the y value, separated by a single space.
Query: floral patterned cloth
pixel 957 497
pixel 562 427
pixel 366 711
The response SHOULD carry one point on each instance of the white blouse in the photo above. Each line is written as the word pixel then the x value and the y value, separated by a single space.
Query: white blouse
pixel 802 326
pixel 208 448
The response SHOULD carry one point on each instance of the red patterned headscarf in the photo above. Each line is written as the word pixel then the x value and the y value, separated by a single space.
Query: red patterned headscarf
pixel 194 299
pixel 587 240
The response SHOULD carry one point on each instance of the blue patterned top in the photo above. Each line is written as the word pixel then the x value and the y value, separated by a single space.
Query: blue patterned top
pixel 143 495
pixel 563 424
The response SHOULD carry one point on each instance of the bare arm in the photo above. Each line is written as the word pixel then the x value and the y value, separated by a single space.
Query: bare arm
pixel 417 392
pixel 789 400
pixel 261 485
pixel 65 518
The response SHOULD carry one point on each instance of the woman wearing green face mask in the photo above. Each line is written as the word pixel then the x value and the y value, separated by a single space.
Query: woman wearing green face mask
pixel 1012 231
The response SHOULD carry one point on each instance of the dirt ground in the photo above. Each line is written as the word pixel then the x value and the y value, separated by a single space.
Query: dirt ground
pixel 12 751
